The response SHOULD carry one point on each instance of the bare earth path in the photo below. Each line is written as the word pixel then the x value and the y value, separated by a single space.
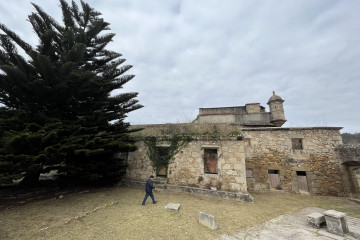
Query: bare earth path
pixel 116 213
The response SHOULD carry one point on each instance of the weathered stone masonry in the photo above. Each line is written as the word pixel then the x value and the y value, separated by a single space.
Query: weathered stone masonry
pixel 187 168
pixel 253 152
pixel 259 150
pixel 350 158
pixel 271 149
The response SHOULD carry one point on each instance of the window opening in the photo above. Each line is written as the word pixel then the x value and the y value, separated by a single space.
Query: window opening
pixel 210 160
pixel 249 173
pixel 300 173
pixel 297 143
pixel 271 171
pixel 163 153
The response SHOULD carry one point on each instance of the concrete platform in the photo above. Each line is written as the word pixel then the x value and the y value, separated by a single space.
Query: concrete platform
pixel 295 227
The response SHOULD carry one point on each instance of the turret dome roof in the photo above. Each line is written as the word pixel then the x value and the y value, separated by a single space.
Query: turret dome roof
pixel 275 98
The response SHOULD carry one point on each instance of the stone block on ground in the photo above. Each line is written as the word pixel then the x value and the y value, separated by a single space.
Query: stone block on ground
pixel 315 219
pixel 172 207
pixel 208 220
pixel 227 237
pixel 336 222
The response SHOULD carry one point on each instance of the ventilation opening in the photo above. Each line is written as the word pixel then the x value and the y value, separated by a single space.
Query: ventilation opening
pixel 300 173
pixel 270 171
pixel 297 143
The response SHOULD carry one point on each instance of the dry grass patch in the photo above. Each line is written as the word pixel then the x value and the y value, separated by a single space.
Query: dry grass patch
pixel 117 213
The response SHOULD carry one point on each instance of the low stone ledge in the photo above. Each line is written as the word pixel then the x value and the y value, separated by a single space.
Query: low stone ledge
pixel 245 197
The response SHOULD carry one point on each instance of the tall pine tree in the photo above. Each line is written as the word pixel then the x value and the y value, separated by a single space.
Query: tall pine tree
pixel 58 109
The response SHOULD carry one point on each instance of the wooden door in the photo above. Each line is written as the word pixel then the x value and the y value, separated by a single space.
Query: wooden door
pixel 274 180
pixel 302 183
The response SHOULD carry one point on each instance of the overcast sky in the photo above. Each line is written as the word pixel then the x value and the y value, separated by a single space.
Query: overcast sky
pixel 193 54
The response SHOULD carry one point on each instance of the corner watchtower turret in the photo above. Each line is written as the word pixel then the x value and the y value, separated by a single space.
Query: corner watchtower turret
pixel 277 116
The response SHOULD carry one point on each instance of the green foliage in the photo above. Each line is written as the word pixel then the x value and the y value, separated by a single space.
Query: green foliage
pixel 59 106
pixel 349 138
pixel 162 150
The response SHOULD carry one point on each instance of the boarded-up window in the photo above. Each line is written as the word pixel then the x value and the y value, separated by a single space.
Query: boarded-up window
pixel 249 173
pixel 210 160
pixel 297 143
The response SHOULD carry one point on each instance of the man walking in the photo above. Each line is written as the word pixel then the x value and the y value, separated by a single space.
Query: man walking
pixel 148 189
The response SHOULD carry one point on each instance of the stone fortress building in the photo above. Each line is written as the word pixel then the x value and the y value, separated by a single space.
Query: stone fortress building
pixel 236 149
pixel 250 115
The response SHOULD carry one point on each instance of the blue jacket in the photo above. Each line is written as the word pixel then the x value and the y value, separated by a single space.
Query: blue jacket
pixel 149 186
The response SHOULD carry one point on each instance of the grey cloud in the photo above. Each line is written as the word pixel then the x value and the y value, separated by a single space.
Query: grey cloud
pixel 209 53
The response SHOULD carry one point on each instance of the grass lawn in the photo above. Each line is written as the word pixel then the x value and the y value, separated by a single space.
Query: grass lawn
pixel 117 213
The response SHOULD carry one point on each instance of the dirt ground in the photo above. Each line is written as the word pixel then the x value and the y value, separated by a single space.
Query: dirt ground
pixel 117 213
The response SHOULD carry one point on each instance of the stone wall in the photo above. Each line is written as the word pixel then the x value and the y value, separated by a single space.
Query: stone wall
pixel 187 168
pixel 258 118
pixel 299 155
pixel 139 165
pixel 350 157
pixel 272 149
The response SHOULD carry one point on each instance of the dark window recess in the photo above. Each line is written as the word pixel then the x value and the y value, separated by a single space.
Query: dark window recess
pixel 300 173
pixel 270 171
pixel 163 154
pixel 297 143
pixel 249 173
pixel 210 160
pixel 163 151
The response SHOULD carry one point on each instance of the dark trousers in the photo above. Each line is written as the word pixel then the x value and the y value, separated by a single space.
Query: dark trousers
pixel 147 195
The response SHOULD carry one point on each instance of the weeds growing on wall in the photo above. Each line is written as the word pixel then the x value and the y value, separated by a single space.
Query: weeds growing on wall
pixel 161 150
